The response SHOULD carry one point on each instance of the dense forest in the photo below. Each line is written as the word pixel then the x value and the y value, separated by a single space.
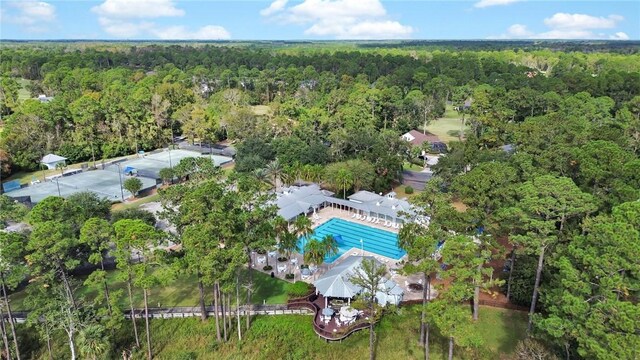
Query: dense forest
pixel 564 197
pixel 114 99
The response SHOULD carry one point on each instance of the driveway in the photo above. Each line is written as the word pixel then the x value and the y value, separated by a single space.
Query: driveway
pixel 416 179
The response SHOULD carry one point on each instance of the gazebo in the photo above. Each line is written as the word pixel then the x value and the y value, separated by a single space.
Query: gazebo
pixel 335 283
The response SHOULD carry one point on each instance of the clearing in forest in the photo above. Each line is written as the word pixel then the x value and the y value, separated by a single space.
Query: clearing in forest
pixel 447 127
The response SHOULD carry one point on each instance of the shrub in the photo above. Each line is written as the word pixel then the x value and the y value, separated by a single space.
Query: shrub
pixel 408 190
pixel 289 276
pixel 134 214
pixel 282 259
pixel 267 268
pixel 304 266
pixel 133 185
pixel 261 251
pixel 166 174
pixel 298 289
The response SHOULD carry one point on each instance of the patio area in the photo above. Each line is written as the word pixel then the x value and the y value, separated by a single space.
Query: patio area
pixel 339 320
pixel 326 213
pixel 335 322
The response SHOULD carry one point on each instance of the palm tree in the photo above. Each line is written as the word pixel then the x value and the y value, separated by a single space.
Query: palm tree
pixel 314 252
pixel 288 244
pixel 93 344
pixel 263 178
pixel 61 166
pixel 274 169
pixel 330 245
pixel 302 227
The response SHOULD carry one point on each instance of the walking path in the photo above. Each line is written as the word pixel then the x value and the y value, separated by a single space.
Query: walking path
pixel 184 312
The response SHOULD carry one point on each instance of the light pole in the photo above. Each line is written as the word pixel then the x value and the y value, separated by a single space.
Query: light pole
pixel 120 178
pixel 58 184
pixel 361 247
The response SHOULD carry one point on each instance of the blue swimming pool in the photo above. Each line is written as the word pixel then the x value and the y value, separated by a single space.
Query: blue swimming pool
pixel 348 235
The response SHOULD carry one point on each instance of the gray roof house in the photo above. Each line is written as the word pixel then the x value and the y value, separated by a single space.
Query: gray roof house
pixel 52 160
pixel 300 200
pixel 294 201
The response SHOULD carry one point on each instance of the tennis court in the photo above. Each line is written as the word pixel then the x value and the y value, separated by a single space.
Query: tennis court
pixel 149 165
pixel 104 183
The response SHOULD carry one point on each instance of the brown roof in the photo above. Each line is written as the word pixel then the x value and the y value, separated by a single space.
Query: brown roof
pixel 420 138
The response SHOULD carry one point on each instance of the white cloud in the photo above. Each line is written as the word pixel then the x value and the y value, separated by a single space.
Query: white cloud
pixel 487 3
pixel 619 36
pixel 126 19
pixel 124 29
pixel 137 9
pixel 342 19
pixel 569 27
pixel 275 6
pixel 209 32
pixel 581 21
pixel 519 30
pixel 31 15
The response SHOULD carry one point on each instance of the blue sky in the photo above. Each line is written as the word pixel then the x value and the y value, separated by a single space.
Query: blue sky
pixel 319 19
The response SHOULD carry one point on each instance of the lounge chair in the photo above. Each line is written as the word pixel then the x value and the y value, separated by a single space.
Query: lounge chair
pixel 378 221
pixel 354 215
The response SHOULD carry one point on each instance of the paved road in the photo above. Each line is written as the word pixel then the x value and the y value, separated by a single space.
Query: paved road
pixel 415 179
pixel 214 149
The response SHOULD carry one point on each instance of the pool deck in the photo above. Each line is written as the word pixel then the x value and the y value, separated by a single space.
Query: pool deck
pixel 325 215
pixel 328 213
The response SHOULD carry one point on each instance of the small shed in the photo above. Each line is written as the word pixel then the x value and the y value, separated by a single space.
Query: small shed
pixel 51 161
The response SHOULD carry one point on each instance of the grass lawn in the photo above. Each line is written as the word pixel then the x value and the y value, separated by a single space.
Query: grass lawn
pixel 291 337
pixel 23 93
pixel 183 291
pixel 400 192
pixel 445 126
pixel 411 166
pixel 135 203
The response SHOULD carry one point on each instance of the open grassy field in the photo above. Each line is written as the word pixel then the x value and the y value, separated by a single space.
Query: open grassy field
pixel 23 93
pixel 446 127
pixel 182 291
pixel 291 337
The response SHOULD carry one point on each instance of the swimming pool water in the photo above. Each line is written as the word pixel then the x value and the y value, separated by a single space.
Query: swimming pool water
pixel 348 235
